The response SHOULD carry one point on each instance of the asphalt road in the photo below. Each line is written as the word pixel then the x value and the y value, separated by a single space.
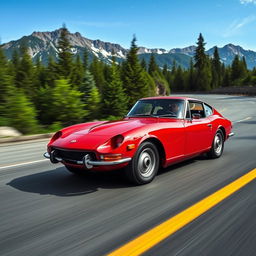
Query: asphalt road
pixel 45 210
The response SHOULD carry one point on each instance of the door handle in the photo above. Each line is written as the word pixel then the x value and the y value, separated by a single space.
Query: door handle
pixel 209 125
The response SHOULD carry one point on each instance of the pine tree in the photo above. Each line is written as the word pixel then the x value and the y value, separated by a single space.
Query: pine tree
pixel 191 77
pixel 135 79
pixel 66 106
pixel 144 65
pixel 86 60
pixel 93 104
pixel 179 83
pixel 115 100
pixel 77 73
pixel 152 67
pixel 52 72
pixel 65 54
pixel 6 87
pixel 238 70
pixel 202 66
pixel 97 70
pixel 90 97
pixel 216 69
pixel 20 113
pixel 25 71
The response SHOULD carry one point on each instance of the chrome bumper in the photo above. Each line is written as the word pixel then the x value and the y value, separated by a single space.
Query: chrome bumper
pixel 231 134
pixel 86 161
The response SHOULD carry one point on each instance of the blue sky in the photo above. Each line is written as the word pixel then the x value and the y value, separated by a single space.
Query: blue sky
pixel 156 23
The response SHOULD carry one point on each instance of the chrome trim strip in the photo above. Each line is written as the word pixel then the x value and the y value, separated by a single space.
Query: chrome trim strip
pixel 89 163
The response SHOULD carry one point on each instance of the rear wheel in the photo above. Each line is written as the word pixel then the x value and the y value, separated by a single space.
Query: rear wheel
pixel 144 165
pixel 74 170
pixel 217 145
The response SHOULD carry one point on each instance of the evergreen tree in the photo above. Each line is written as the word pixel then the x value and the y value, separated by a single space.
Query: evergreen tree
pixel 66 106
pixel 165 70
pixel 144 65
pixel 52 72
pixel 6 87
pixel 25 72
pixel 135 79
pixel 191 77
pixel 86 59
pixel 216 69
pixel 97 70
pixel 20 113
pixel 202 66
pixel 39 76
pixel 77 74
pixel 227 77
pixel 93 104
pixel 115 100
pixel 152 67
pixel 179 83
pixel 90 97
pixel 238 70
pixel 65 54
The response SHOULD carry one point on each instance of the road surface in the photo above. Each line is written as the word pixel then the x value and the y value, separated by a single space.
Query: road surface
pixel 45 210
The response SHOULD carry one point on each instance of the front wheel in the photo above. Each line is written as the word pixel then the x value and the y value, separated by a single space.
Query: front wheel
pixel 217 145
pixel 144 165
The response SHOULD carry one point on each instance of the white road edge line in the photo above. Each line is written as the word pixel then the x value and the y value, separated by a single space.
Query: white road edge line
pixel 20 164
pixel 245 119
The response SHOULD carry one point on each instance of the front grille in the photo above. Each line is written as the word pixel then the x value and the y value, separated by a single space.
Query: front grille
pixel 76 155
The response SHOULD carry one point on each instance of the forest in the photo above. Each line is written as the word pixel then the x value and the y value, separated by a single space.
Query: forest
pixel 37 98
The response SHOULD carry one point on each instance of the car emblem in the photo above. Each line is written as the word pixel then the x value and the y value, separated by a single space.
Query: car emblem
pixel 72 141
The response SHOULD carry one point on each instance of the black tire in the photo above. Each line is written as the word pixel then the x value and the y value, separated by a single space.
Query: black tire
pixel 217 145
pixel 144 165
pixel 74 170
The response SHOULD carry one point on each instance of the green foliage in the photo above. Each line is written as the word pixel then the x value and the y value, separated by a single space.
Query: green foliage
pixel 65 54
pixel 93 101
pixel 115 100
pixel 203 74
pixel 20 113
pixel 97 70
pixel 37 98
pixel 60 104
pixel 135 79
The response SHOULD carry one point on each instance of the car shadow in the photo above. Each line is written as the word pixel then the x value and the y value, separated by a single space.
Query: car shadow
pixel 60 182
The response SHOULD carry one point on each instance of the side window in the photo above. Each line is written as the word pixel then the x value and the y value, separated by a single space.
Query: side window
pixel 208 110
pixel 196 108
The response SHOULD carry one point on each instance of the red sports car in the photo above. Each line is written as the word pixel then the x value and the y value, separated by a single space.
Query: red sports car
pixel 157 132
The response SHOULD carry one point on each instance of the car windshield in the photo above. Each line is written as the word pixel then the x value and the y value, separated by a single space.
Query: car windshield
pixel 173 108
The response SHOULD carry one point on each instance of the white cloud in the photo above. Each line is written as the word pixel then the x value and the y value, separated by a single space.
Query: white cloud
pixel 248 1
pixel 237 25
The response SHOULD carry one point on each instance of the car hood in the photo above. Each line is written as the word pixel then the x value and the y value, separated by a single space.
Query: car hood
pixel 92 136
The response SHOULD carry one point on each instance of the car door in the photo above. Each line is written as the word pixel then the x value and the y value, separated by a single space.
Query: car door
pixel 198 128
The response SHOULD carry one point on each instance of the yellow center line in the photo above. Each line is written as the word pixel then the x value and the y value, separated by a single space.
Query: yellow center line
pixel 152 237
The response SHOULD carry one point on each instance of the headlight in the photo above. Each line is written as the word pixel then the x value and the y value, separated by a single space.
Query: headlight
pixel 117 141
pixel 56 136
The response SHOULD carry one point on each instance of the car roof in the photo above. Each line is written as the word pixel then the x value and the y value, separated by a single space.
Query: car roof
pixel 169 97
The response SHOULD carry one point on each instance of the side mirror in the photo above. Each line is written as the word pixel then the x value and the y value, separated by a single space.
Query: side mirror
pixel 196 116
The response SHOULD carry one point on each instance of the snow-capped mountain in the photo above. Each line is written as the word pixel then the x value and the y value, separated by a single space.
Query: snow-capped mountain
pixel 43 44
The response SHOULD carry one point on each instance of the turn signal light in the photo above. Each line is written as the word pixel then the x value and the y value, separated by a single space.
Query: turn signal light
pixel 130 146
pixel 111 157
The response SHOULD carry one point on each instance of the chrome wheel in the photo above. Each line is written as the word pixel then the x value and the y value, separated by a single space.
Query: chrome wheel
pixel 146 162
pixel 218 143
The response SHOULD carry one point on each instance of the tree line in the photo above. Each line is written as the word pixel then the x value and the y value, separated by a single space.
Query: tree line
pixel 38 98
